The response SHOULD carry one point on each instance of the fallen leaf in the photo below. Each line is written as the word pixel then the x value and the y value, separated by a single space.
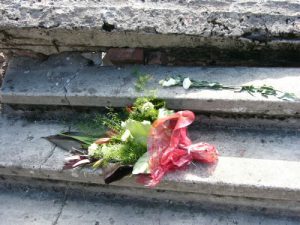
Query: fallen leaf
pixel 116 171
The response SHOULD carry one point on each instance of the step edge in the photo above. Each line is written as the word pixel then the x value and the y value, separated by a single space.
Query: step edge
pixel 219 188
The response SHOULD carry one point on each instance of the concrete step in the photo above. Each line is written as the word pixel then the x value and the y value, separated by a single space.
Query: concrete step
pixel 257 168
pixel 35 204
pixel 69 79
pixel 228 26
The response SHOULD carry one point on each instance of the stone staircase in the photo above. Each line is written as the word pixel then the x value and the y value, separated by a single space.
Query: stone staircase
pixel 75 204
pixel 69 79
pixel 257 137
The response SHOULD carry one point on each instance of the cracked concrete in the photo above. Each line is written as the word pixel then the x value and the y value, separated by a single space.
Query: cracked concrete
pixel 67 83
pixel 53 26
pixel 24 206
pixel 20 144
pixel 61 208
pixel 48 156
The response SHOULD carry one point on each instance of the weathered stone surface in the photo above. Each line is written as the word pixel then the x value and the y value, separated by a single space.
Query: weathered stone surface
pixel 3 66
pixel 95 57
pixel 257 168
pixel 31 205
pixel 52 26
pixel 23 205
pixel 69 79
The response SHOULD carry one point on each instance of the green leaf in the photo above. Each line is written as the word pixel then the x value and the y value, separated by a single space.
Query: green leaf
pixel 138 130
pixel 79 137
pixel 66 143
pixel 288 97
pixel 142 165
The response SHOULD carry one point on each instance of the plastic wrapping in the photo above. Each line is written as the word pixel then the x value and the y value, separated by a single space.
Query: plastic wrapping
pixel 170 147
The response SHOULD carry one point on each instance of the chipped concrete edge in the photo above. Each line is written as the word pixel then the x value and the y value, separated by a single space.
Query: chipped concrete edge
pixel 241 25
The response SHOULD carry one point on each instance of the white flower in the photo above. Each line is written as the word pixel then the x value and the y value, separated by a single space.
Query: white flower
pixel 146 122
pixel 186 83
pixel 92 148
pixel 123 124
pixel 147 106
pixel 126 135
pixel 168 83
pixel 161 82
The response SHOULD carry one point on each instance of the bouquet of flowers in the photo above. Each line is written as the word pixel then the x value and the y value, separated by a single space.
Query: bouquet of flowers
pixel 152 140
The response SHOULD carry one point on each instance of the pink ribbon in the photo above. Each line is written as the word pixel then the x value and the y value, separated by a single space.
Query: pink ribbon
pixel 170 148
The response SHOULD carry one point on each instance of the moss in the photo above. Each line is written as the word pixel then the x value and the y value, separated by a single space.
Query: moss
pixel 140 113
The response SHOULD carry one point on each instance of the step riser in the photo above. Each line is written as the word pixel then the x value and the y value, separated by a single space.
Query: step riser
pixel 285 109
pixel 228 25
pixel 227 203
pixel 203 120
pixel 57 203
pixel 87 176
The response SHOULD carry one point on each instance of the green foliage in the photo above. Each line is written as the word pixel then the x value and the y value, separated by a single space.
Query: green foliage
pixel 267 91
pixel 158 103
pixel 264 90
pixel 209 85
pixel 141 80
pixel 139 131
pixel 130 150
pixel 129 140
pixel 96 125
pixel 84 139
pixel 96 154
pixel 126 153
pixel 89 125
pixel 111 120
pixel 146 108
pixel 288 96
